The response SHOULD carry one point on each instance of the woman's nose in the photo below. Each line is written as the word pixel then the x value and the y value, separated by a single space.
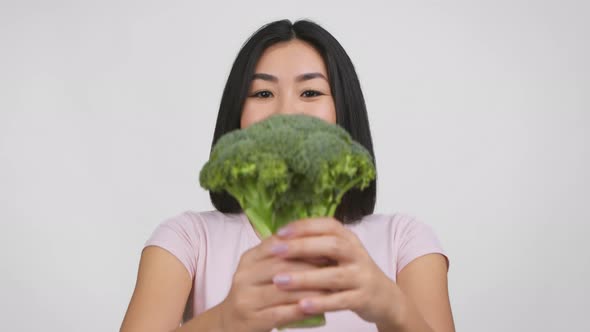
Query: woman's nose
pixel 288 105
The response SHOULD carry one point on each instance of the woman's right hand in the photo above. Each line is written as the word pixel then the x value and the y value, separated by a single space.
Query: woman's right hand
pixel 254 303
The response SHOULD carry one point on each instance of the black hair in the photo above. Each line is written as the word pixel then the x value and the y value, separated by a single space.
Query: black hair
pixel 351 112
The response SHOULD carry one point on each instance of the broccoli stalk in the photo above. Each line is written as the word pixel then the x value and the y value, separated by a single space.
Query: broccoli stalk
pixel 286 168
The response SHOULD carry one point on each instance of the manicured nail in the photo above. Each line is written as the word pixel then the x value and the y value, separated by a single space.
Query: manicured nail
pixel 306 305
pixel 285 231
pixel 281 279
pixel 279 248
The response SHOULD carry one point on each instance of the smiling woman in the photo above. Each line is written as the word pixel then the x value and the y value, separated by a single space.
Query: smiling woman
pixel 385 272
pixel 279 70
pixel 290 78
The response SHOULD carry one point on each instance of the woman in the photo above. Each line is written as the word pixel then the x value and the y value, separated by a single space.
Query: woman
pixel 386 273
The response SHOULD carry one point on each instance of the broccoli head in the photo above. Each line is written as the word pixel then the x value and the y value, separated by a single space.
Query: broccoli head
pixel 285 168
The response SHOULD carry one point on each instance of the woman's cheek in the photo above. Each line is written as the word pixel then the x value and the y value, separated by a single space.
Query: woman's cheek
pixel 325 111
pixel 252 113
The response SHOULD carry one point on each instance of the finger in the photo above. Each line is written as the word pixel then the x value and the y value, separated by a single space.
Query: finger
pixel 333 302
pixel 327 246
pixel 262 272
pixel 315 226
pixel 267 248
pixel 270 295
pixel 327 278
pixel 321 261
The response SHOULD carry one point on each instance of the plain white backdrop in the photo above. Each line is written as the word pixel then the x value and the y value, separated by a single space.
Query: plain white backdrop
pixel 480 112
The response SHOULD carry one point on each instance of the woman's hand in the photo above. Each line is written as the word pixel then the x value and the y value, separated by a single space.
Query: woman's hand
pixel 254 303
pixel 356 282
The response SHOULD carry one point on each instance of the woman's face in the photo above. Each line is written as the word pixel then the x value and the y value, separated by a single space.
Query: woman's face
pixel 290 78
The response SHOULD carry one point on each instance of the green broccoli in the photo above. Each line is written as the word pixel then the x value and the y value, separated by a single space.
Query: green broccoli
pixel 285 168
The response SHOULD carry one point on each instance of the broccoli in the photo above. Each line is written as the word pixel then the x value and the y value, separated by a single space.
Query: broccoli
pixel 285 168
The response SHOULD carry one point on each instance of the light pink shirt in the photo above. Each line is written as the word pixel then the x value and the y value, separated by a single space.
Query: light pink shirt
pixel 210 244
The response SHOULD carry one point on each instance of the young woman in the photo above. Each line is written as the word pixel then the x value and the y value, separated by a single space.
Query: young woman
pixel 386 272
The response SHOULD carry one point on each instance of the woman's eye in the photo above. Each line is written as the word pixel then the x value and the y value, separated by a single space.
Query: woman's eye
pixel 262 94
pixel 311 93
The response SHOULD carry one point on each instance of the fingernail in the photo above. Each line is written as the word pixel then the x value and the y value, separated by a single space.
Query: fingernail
pixel 284 231
pixel 306 305
pixel 279 248
pixel 281 279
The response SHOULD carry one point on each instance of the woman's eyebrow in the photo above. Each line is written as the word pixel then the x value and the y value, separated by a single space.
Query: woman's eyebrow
pixel 309 76
pixel 265 77
pixel 300 78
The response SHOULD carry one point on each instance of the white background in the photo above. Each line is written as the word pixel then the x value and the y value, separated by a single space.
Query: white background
pixel 480 112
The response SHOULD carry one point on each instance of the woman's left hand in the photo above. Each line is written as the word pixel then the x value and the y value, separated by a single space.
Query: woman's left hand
pixel 356 282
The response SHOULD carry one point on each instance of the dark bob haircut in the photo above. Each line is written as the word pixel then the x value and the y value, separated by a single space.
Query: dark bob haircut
pixel 351 112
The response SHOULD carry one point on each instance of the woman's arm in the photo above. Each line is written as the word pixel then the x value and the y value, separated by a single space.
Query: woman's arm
pixel 423 297
pixel 210 320
pixel 160 295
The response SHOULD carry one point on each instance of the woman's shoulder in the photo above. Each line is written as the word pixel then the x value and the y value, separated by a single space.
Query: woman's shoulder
pixel 188 235
pixel 409 236
pixel 386 217
pixel 394 221
pixel 201 222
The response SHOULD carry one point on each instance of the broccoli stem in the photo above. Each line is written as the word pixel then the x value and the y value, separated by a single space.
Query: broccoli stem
pixel 332 209
pixel 267 223
pixel 313 321
pixel 341 191
pixel 259 218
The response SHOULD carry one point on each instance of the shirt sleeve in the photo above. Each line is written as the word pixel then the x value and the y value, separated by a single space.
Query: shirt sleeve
pixel 179 236
pixel 416 239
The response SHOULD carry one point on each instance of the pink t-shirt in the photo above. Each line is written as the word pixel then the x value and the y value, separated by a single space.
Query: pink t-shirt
pixel 210 244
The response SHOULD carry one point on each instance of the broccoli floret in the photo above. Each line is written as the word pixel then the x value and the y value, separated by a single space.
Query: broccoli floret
pixel 256 179
pixel 285 168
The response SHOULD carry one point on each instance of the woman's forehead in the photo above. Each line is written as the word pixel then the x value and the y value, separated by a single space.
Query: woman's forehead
pixel 290 60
